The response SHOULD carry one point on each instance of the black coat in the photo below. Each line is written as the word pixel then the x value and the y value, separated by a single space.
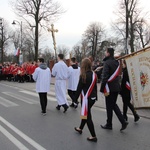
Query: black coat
pixel 125 78
pixel 110 66
pixel 85 86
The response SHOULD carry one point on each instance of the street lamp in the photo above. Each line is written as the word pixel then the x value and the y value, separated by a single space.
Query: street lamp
pixel 20 23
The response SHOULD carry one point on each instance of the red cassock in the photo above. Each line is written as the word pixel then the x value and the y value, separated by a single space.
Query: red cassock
pixel 15 71
pixel 33 68
pixel 21 71
pixel 7 70
pixel 3 70
pixel 11 69
pixel 30 69
pixel 27 68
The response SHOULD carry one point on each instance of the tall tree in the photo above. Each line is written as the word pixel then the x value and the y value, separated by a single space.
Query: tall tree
pixel 93 35
pixel 37 12
pixel 129 15
pixel 84 48
pixel 77 52
pixel 4 37
pixel 143 33
pixel 62 49
pixel 47 54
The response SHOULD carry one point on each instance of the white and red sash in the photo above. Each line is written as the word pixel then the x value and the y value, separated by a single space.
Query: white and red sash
pixel 128 85
pixel 112 77
pixel 84 109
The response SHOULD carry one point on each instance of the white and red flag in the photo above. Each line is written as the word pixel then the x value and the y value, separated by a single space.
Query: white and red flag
pixel 17 52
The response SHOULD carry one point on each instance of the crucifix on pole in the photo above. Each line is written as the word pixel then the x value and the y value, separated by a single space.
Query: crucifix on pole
pixel 52 30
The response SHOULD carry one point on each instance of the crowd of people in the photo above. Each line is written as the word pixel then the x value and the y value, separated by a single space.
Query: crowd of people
pixel 17 73
pixel 81 81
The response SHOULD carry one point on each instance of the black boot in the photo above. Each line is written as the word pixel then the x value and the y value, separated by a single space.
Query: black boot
pixel 124 126
pixel 65 107
pixel 136 118
pixel 72 105
pixel 75 105
pixel 125 117
pixel 58 107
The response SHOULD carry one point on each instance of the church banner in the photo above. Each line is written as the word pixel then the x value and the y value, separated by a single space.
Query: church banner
pixel 139 75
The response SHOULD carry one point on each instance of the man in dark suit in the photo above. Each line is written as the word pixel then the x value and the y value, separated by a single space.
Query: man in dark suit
pixel 110 87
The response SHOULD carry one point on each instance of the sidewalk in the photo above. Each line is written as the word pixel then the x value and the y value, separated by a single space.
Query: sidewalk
pixel 100 103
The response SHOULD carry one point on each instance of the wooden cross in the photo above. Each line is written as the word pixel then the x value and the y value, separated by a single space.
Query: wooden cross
pixel 52 30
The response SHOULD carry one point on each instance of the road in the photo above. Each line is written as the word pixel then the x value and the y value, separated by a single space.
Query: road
pixel 23 127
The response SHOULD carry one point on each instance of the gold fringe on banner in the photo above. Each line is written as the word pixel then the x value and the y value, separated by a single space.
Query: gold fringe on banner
pixel 84 117
pixel 134 53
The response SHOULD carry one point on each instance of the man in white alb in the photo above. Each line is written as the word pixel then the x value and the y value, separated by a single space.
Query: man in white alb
pixel 42 76
pixel 73 79
pixel 60 72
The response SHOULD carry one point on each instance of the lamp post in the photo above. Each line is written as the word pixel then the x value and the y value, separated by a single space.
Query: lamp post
pixel 20 23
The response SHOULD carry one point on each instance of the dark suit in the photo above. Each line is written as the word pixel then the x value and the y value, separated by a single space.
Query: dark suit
pixel 110 66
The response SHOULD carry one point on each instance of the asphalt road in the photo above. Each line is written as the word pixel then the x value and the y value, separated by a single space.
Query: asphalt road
pixel 23 127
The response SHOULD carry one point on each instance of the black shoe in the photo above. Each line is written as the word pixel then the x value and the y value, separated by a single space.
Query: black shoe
pixel 65 107
pixel 106 127
pixel 43 113
pixel 125 117
pixel 79 131
pixel 75 105
pixel 58 107
pixel 72 105
pixel 124 126
pixel 136 118
pixel 92 139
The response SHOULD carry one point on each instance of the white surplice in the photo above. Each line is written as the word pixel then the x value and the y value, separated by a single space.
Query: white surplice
pixel 43 79
pixel 60 71
pixel 73 78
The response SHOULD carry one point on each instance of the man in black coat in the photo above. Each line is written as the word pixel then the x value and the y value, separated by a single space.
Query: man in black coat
pixel 111 66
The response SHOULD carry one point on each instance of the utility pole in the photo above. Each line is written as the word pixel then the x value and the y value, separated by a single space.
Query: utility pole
pixel 127 27
pixel 21 51
pixel 2 40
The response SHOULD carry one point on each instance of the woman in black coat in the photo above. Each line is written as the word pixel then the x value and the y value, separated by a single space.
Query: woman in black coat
pixel 87 87
pixel 126 94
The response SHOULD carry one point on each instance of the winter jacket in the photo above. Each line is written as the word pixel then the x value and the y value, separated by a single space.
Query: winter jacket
pixel 110 66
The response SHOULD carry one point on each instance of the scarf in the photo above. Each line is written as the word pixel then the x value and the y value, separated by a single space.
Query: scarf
pixel 84 109
pixel 112 77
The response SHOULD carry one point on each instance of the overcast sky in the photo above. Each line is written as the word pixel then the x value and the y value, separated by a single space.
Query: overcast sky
pixel 79 14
